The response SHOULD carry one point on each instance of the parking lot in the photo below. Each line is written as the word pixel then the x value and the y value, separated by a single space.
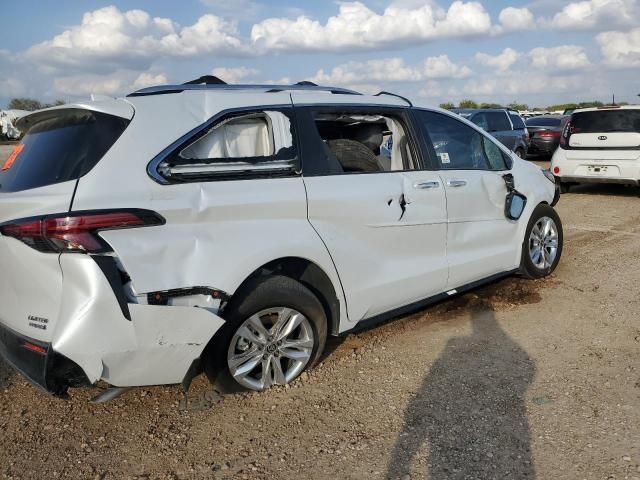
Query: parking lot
pixel 519 379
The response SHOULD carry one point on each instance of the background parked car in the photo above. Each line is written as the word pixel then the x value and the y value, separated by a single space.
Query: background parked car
pixel 544 133
pixel 599 145
pixel 505 125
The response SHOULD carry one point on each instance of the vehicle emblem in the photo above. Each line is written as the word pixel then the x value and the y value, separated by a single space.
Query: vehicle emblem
pixel 602 137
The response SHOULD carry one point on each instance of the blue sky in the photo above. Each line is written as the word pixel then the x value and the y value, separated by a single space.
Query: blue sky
pixel 539 52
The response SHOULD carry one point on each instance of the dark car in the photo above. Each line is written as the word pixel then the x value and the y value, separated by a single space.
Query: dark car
pixel 505 125
pixel 544 133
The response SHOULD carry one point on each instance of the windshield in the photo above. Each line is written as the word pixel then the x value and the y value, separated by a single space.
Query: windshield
pixel 623 120
pixel 62 145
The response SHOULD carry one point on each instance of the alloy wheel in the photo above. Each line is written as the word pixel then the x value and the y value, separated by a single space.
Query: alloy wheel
pixel 543 243
pixel 272 347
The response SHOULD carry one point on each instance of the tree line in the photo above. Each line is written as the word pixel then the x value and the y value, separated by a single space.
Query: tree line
pixel 523 106
pixel 31 104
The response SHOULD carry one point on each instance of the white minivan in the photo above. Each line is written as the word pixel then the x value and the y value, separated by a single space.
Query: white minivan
pixel 230 228
pixel 599 145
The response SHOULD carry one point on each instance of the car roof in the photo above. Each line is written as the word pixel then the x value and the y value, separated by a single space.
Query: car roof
pixel 482 110
pixel 607 108
pixel 386 98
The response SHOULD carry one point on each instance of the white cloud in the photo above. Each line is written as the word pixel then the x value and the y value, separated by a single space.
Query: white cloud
pixel 234 75
pixel 620 49
pixel 504 89
pixel 515 19
pixel 563 57
pixel 116 83
pixel 391 70
pixel 501 62
pixel 597 14
pixel 356 26
pixel 108 38
pixel 147 79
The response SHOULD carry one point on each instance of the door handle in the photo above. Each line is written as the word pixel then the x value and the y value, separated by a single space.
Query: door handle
pixel 456 183
pixel 426 185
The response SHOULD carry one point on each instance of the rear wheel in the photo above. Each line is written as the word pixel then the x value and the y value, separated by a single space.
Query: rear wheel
pixel 543 243
pixel 276 328
pixel 521 153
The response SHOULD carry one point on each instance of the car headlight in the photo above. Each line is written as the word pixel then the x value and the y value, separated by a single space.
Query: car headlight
pixel 547 173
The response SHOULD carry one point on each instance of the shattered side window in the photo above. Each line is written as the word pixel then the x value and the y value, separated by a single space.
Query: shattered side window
pixel 252 143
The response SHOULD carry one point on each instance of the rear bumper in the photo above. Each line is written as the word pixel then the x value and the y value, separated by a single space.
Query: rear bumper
pixel 616 180
pixel 539 146
pixel 40 364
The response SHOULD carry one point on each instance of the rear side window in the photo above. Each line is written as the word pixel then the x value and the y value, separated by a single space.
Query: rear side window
pixel 242 145
pixel 458 146
pixel 518 124
pixel 492 121
pixel 602 121
pixel 61 145
pixel 364 141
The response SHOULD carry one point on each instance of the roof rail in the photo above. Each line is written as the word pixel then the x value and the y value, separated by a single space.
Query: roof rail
pixel 207 80
pixel 394 95
pixel 209 84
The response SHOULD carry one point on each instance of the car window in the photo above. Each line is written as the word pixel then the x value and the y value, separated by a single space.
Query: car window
pixel 61 145
pixel 544 122
pixel 498 121
pixel 518 124
pixel 458 146
pixel 364 142
pixel 242 144
pixel 601 121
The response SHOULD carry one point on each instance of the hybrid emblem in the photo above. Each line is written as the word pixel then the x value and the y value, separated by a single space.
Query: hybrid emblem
pixel 602 137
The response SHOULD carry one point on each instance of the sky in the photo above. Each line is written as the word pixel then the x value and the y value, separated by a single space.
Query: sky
pixel 538 52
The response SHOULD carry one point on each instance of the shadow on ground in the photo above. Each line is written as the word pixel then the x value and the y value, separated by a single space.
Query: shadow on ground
pixel 606 189
pixel 469 413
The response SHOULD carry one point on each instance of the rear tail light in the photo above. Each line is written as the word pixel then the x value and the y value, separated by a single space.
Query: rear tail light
pixel 556 170
pixel 77 231
pixel 34 348
pixel 549 134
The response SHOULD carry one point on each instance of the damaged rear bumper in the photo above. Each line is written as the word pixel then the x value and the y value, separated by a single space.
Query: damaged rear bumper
pixel 42 366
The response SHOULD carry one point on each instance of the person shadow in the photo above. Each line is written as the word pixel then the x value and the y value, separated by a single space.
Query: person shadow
pixel 469 414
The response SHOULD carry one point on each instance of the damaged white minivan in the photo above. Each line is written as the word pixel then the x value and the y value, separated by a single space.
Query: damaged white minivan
pixel 228 229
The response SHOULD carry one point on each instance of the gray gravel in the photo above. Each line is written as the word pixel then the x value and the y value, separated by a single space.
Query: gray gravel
pixel 520 379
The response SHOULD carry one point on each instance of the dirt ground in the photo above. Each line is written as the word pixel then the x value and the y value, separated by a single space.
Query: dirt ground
pixel 517 380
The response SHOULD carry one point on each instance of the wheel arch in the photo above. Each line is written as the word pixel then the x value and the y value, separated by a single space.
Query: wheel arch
pixel 311 275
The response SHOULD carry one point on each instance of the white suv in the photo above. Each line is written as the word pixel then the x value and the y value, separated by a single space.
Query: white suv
pixel 599 145
pixel 229 229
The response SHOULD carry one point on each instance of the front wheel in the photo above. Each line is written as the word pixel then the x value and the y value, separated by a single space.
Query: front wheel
pixel 543 243
pixel 275 329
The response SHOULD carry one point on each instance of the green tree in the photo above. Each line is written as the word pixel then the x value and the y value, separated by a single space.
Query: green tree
pixel 447 105
pixel 31 104
pixel 468 104
pixel 518 106
pixel 490 105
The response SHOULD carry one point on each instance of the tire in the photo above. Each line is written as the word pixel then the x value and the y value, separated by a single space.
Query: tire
pixel 354 156
pixel 533 265
pixel 266 297
pixel 565 187
pixel 521 153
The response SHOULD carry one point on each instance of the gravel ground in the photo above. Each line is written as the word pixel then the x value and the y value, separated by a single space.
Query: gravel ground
pixel 520 379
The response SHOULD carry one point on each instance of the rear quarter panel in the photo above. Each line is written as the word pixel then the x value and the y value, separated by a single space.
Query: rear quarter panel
pixel 217 233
